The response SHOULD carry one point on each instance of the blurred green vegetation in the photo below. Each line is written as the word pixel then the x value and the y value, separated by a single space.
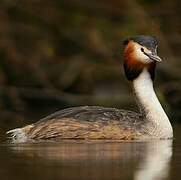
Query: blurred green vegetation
pixel 56 54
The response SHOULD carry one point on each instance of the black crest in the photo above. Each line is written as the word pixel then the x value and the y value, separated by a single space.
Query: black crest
pixel 147 41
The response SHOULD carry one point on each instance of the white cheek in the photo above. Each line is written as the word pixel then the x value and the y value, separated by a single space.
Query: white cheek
pixel 141 57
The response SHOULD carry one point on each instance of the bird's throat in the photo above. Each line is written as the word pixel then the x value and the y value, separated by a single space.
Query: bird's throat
pixel 150 106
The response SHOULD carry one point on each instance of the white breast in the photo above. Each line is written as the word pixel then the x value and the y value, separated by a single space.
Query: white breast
pixel 147 99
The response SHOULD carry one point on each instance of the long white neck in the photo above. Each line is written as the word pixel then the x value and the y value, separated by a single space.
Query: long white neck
pixel 156 118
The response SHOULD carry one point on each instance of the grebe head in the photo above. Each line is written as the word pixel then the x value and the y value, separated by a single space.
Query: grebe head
pixel 140 52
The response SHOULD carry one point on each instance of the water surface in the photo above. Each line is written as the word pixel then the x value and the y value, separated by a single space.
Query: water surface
pixel 92 160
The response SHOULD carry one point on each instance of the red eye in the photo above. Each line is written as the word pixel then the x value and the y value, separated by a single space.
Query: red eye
pixel 142 49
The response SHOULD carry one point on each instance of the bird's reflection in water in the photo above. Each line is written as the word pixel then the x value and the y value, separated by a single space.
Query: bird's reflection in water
pixel 156 161
pixel 100 159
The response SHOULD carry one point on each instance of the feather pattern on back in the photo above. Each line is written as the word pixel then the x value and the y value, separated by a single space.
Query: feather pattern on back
pixel 86 122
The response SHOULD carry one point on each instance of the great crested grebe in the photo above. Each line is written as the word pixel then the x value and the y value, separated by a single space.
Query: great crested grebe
pixel 93 122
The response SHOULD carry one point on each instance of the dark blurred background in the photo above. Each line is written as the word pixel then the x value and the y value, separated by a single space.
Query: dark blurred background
pixel 61 53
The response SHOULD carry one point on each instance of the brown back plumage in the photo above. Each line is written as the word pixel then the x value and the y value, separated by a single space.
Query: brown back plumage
pixel 87 122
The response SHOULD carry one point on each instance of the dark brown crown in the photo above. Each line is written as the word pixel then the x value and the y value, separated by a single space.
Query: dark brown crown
pixel 147 41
